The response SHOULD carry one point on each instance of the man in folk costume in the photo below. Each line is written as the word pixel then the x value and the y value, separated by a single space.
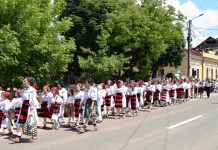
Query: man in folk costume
pixel 28 113
pixel 157 93
pixel 46 104
pixel 109 98
pixel 149 94
pixel 120 99
pixel 63 95
pixel 172 92
pixel 100 102
pixel 5 119
pixel 78 97
pixel 91 110
pixel 56 103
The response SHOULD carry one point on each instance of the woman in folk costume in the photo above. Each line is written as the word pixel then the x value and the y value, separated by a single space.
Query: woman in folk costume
pixel 200 89
pixel 128 97
pixel 120 99
pixel 78 97
pixel 142 88
pixel 5 119
pixel 90 100
pixel 139 95
pixel 172 91
pixel 180 91
pixel 100 102
pixel 133 104
pixel 56 102
pixel 157 93
pixel 187 88
pixel 46 104
pixel 192 90
pixel 28 113
pixel 165 97
pixel 149 94
pixel 70 105
pixel 109 98
pixel 63 94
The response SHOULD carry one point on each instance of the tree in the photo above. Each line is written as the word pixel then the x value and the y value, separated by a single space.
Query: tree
pixel 91 59
pixel 37 42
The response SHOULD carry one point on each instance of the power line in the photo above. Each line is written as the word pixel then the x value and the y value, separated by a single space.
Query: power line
pixel 207 28
pixel 199 32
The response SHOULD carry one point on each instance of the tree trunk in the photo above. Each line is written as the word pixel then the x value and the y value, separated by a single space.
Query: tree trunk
pixel 154 71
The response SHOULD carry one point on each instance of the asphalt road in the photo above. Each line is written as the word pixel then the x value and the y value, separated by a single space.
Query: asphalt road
pixel 189 126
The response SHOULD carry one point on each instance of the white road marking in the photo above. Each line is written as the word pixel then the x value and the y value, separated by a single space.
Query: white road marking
pixel 184 122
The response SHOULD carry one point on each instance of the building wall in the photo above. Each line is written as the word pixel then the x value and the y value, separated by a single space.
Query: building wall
pixel 205 65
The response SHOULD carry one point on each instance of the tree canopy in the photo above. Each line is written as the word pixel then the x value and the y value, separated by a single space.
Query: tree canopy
pixel 32 41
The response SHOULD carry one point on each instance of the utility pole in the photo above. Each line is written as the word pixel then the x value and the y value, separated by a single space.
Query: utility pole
pixel 189 39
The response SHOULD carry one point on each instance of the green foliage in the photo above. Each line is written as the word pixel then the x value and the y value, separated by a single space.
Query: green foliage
pixel 37 44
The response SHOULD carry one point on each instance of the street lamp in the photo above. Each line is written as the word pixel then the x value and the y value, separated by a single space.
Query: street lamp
pixel 189 39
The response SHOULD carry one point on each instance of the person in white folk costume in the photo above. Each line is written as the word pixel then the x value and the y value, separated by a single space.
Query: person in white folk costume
pixel 5 119
pixel 150 94
pixel 133 103
pixel 90 100
pixel 70 106
pixel 100 102
pixel 28 113
pixel 186 86
pixel 46 104
pixel 109 98
pixel 142 90
pixel 16 104
pixel 173 93
pixel 165 97
pixel 63 94
pixel 120 99
pixel 157 93
pixel 78 97
pixel 139 95
pixel 56 103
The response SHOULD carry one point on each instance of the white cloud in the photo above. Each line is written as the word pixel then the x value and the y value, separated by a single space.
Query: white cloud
pixel 190 10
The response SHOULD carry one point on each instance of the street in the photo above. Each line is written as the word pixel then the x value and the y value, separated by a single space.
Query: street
pixel 189 126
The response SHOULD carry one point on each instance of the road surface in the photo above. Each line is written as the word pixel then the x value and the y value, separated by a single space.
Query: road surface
pixel 189 126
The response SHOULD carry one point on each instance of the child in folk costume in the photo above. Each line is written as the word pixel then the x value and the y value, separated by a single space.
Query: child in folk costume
pixel 172 91
pixel 28 113
pixel 109 98
pixel 56 102
pixel 149 94
pixel 91 110
pixel 78 97
pixel 100 102
pixel 5 105
pixel 165 97
pixel 120 99
pixel 16 104
pixel 70 105
pixel 46 104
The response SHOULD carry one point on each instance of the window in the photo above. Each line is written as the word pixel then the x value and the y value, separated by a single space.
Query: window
pixel 198 73
pixel 216 74
pixel 207 73
pixel 211 74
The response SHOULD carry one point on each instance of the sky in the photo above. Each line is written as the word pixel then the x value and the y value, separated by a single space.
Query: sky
pixel 204 26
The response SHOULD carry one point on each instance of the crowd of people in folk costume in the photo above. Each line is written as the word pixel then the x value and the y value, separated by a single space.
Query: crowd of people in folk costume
pixel 87 104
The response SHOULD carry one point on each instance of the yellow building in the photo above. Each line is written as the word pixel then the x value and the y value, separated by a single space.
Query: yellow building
pixel 204 64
